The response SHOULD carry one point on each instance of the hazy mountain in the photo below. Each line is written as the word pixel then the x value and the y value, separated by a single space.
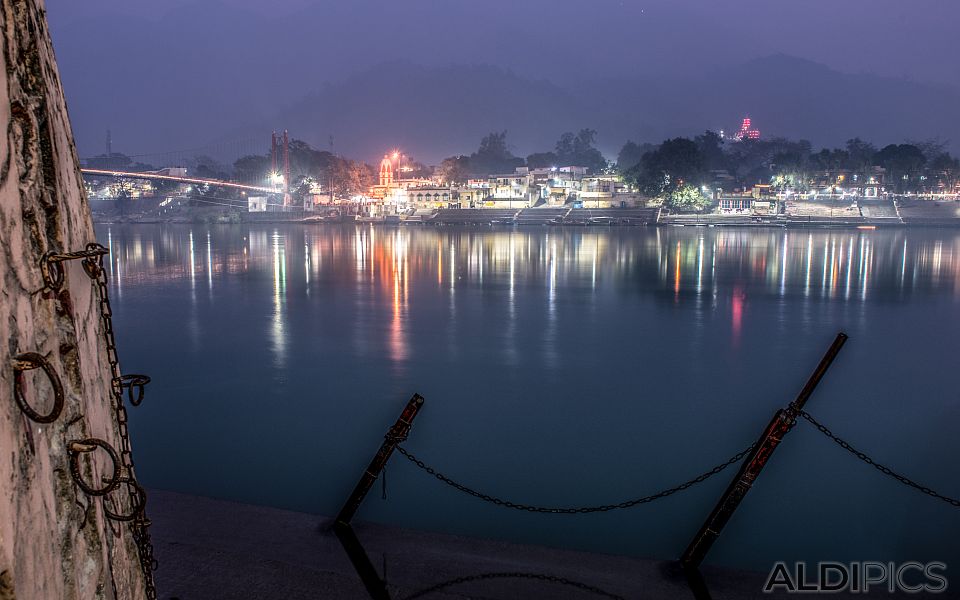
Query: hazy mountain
pixel 785 96
pixel 436 112
pixel 181 74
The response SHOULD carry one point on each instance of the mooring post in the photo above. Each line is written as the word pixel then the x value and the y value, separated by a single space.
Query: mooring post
pixel 376 586
pixel 394 436
pixel 782 421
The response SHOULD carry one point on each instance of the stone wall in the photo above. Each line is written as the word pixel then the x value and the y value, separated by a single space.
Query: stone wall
pixel 55 542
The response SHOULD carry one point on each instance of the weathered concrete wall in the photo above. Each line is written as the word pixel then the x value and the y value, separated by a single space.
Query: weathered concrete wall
pixel 54 540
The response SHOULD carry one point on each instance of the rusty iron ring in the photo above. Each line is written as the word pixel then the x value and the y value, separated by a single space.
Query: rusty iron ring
pixel 52 271
pixel 138 501
pixel 134 382
pixel 29 361
pixel 85 446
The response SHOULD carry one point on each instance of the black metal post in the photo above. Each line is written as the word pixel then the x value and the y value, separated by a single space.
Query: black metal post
pixel 778 427
pixel 394 436
pixel 376 586
pixel 697 585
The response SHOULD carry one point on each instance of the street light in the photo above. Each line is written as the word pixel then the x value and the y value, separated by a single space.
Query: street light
pixel 398 156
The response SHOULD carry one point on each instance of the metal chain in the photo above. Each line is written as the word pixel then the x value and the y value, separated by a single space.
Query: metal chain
pixel 52 270
pixel 139 524
pixel 535 576
pixel 883 469
pixel 578 510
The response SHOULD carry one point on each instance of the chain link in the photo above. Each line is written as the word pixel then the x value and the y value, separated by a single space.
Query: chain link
pixel 52 270
pixel 534 576
pixel 883 469
pixel 139 524
pixel 577 510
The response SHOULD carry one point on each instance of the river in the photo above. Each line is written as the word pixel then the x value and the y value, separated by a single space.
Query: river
pixel 560 366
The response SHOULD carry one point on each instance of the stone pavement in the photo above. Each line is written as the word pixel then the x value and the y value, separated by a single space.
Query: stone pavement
pixel 218 550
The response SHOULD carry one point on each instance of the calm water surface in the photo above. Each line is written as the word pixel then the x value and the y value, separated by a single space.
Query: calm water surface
pixel 560 367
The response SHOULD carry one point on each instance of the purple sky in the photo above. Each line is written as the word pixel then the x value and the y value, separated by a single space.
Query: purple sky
pixel 901 38
pixel 182 73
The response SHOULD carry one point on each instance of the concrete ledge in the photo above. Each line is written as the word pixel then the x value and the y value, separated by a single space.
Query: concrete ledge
pixel 218 550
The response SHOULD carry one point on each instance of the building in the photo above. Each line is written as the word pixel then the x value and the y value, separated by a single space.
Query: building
pixel 735 204
pixel 427 197
pixel 747 131
pixel 386 171
pixel 256 204
pixel 517 185
pixel 470 197
pixel 172 171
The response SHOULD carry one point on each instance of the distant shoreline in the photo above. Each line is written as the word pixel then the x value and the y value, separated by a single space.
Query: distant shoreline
pixel 820 223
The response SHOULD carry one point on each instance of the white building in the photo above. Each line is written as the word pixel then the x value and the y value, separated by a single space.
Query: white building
pixel 256 204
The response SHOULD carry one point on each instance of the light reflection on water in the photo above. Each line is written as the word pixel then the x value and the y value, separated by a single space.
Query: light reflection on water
pixel 564 366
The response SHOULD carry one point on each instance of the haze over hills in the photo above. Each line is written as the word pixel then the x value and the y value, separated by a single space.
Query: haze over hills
pixel 376 75
pixel 440 111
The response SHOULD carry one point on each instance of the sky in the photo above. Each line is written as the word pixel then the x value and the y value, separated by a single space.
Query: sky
pixel 275 53
pixel 902 38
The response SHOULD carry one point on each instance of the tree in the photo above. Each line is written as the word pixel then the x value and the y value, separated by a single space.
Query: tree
pixel 665 170
pixel 790 169
pixel 418 170
pixel 209 168
pixel 349 177
pixel 252 168
pixel 115 161
pixel 831 160
pixel 754 161
pixel 541 160
pixel 944 170
pixel 710 145
pixel 631 154
pixel 930 148
pixel 578 150
pixel 455 170
pixel 688 198
pixel 493 156
pixel 306 161
pixel 860 155
pixel 903 164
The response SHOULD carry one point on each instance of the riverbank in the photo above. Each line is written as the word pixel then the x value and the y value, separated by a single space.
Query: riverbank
pixel 671 221
pixel 219 550
pixel 929 214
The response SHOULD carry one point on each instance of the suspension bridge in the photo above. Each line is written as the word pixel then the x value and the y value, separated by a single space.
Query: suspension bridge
pixel 148 176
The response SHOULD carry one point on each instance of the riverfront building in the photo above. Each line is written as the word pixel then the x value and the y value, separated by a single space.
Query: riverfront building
pixel 568 186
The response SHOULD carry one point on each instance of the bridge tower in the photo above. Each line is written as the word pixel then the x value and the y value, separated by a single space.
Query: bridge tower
pixel 273 153
pixel 286 170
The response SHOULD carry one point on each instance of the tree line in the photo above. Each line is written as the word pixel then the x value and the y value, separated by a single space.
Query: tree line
pixel 684 171
pixel 494 156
